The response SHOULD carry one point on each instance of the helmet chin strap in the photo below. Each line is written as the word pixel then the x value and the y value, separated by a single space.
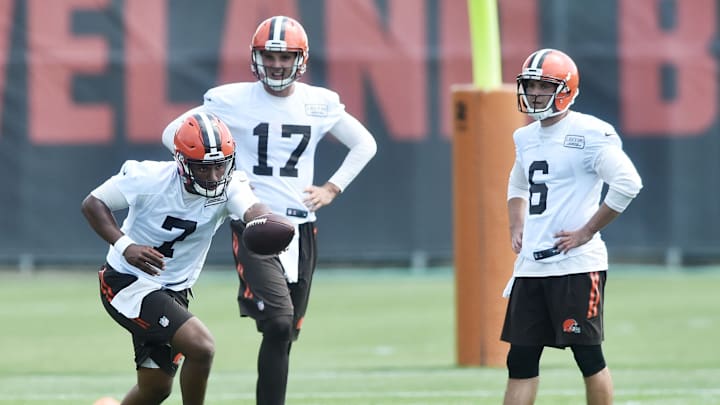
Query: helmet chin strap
pixel 209 193
pixel 548 112
pixel 192 186
pixel 279 85
pixel 274 84
pixel 545 114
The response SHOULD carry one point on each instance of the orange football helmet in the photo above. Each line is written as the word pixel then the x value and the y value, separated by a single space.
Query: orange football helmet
pixel 203 142
pixel 279 34
pixel 551 66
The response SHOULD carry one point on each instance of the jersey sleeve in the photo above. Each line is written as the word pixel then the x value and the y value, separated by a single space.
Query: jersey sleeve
pixel 336 109
pixel 518 185
pixel 225 100
pixel 607 158
pixel 599 137
pixel 110 195
pixel 362 145
pixel 617 170
pixel 240 195
pixel 138 178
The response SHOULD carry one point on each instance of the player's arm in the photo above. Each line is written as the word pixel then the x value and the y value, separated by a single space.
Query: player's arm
pixel 101 219
pixel 362 148
pixel 624 183
pixel 242 202
pixel 517 205
pixel 97 208
pixel 614 168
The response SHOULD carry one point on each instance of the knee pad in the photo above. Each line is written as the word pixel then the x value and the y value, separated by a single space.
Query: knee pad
pixel 277 328
pixel 524 361
pixel 589 359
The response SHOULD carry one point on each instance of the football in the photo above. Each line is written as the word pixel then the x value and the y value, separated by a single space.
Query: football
pixel 268 234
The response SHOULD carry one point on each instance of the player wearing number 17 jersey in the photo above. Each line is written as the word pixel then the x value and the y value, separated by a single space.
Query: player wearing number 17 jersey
pixel 277 124
pixel 556 293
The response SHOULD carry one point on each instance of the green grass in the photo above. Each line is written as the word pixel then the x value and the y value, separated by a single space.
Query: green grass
pixel 371 337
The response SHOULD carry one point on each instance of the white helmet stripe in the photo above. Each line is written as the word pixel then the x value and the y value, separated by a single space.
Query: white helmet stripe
pixel 538 58
pixel 210 132
pixel 278 29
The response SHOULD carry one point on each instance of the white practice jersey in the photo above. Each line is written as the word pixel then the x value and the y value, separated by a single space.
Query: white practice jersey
pixel 276 138
pixel 162 214
pixel 557 168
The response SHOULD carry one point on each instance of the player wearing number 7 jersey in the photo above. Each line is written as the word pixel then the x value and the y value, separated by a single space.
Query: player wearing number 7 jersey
pixel 277 124
pixel 174 209
pixel 556 293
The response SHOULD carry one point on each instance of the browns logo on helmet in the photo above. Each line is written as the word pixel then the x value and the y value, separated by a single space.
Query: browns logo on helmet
pixel 549 66
pixel 203 144
pixel 279 34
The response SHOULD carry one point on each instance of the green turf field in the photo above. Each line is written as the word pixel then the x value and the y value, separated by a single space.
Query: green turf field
pixel 371 337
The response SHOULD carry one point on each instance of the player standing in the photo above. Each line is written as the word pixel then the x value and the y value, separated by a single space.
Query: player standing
pixel 277 123
pixel 156 257
pixel 554 202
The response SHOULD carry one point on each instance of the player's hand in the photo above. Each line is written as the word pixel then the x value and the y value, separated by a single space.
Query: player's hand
pixel 516 240
pixel 145 258
pixel 317 197
pixel 566 240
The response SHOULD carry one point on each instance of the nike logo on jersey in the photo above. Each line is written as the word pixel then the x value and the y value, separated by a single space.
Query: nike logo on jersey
pixel 316 110
pixel 609 134
pixel 574 141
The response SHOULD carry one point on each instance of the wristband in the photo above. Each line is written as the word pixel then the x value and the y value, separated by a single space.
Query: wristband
pixel 122 243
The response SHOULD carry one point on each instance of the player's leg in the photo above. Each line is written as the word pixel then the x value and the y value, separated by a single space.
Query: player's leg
pixel 197 345
pixel 528 329
pixel 264 296
pixel 300 291
pixel 599 388
pixel 153 387
pixel 263 292
pixel 578 315
pixel 598 381
pixel 174 333
pixel 280 331
pixel 273 359
pixel 523 364
pixel 161 315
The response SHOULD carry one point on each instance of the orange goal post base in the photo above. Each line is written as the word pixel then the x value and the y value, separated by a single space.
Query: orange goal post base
pixel 482 156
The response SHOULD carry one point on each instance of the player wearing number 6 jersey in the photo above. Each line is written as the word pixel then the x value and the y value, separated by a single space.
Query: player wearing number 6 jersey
pixel 174 209
pixel 277 123
pixel 556 293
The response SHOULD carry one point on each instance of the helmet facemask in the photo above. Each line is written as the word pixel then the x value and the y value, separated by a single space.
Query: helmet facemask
pixel 193 179
pixel 205 154
pixel 262 72
pixel 556 101
pixel 279 34
pixel 553 67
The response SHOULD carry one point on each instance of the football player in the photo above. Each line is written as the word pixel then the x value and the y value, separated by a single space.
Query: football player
pixel 174 209
pixel 277 123
pixel 556 293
